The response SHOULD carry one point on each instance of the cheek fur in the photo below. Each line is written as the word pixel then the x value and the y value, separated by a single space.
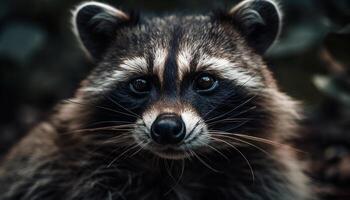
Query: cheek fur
pixel 233 109
pixel 117 107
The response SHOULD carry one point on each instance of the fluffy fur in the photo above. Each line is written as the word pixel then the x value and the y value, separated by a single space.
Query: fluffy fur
pixel 97 145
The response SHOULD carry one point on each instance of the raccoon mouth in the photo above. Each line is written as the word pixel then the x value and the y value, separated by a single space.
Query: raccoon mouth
pixel 170 153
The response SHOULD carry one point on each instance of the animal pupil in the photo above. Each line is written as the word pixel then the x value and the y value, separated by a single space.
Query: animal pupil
pixel 140 85
pixel 177 142
pixel 205 83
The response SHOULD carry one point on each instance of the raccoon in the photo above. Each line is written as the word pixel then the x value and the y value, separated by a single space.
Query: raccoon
pixel 178 107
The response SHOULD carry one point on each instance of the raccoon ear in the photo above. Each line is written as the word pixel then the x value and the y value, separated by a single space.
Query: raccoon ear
pixel 259 21
pixel 95 24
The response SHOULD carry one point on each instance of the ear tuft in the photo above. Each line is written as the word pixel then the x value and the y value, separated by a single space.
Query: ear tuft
pixel 95 24
pixel 259 22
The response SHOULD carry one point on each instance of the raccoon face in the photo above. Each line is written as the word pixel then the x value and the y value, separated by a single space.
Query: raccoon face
pixel 179 84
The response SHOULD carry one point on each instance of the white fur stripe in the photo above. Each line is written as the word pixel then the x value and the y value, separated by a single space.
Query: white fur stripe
pixel 194 124
pixel 139 65
pixel 160 56
pixel 183 62
pixel 136 65
pixel 108 81
pixel 149 117
pixel 222 66
pixel 228 70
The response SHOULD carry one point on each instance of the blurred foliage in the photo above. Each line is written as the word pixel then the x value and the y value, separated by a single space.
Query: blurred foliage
pixel 41 63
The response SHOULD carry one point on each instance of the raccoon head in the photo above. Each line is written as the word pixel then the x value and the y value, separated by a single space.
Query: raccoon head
pixel 179 84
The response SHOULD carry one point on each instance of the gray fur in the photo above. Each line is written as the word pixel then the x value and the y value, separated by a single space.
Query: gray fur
pixel 69 157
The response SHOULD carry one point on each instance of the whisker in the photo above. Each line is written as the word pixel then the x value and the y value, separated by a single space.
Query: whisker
pixel 121 127
pixel 188 155
pixel 229 120
pixel 230 111
pixel 244 157
pixel 101 107
pixel 117 139
pixel 168 170
pixel 228 96
pixel 108 122
pixel 215 149
pixel 258 139
pixel 266 141
pixel 194 128
pixel 243 141
pixel 237 126
pixel 203 162
pixel 126 151
pixel 180 177
pixel 128 110
pixel 214 107
pixel 140 149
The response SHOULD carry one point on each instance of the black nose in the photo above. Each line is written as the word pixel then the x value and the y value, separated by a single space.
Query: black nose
pixel 168 129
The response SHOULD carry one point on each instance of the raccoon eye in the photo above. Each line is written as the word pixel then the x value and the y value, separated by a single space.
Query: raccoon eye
pixel 205 83
pixel 140 86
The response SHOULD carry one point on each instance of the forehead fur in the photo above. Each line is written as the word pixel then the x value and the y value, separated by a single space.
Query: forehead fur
pixel 193 42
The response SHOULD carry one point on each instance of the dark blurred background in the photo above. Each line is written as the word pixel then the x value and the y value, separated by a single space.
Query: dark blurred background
pixel 41 64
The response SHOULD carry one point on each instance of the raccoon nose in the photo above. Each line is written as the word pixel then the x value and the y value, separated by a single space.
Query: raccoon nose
pixel 168 129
